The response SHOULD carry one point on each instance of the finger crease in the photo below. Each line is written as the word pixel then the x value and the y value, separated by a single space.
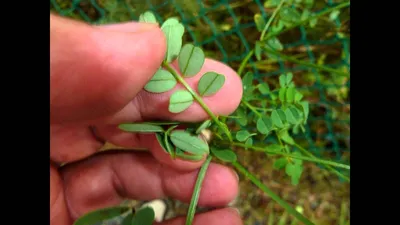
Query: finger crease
pixel 161 175
pixel 117 182
pixel 96 136
pixel 58 198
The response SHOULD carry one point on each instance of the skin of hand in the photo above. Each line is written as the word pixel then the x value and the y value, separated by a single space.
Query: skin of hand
pixel 97 74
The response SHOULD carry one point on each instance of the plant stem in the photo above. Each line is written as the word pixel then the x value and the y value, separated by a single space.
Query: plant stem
pixel 306 152
pixel 196 97
pixel 232 5
pixel 271 194
pixel 260 149
pixel 262 109
pixel 251 108
pixel 342 213
pixel 308 64
pixel 244 62
pixel 266 64
pixel 279 138
pixel 274 34
pixel 196 192
pixel 271 19
pixel 298 146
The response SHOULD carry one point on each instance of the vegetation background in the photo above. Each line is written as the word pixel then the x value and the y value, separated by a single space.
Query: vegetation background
pixel 226 30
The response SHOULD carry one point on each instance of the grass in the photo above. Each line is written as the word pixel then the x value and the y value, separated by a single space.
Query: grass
pixel 320 195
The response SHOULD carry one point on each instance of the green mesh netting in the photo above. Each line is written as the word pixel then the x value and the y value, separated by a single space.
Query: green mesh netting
pixel 226 31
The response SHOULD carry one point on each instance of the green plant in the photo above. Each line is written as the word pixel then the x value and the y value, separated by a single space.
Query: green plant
pixel 278 112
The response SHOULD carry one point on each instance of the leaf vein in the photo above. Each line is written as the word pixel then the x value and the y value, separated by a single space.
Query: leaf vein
pixel 211 83
pixel 188 60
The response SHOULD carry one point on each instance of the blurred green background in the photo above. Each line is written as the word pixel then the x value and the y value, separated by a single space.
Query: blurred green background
pixel 227 32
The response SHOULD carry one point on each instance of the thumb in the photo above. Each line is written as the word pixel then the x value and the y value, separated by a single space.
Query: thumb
pixel 96 71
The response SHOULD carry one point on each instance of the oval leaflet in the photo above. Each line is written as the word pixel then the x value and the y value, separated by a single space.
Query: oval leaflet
pixel 190 60
pixel 179 101
pixel 259 21
pixel 189 143
pixel 276 119
pixel 225 155
pixel 127 220
pixel 160 139
pixel 147 17
pixel 203 126
pixel 242 135
pixel 140 127
pixel 162 81
pixel 145 216
pixel 264 125
pixel 173 31
pixel 210 83
pixel 102 214
pixel 181 154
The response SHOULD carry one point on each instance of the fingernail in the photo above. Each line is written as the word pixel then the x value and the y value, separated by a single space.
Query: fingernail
pixel 236 210
pixel 129 27
pixel 147 26
pixel 233 202
pixel 236 175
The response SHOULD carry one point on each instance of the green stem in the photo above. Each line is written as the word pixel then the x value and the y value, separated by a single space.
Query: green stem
pixel 251 108
pixel 196 192
pixel 232 5
pixel 244 62
pixel 279 138
pixel 271 61
pixel 260 149
pixel 274 34
pixel 342 217
pixel 271 194
pixel 271 19
pixel 262 109
pixel 308 64
pixel 306 152
pixel 196 97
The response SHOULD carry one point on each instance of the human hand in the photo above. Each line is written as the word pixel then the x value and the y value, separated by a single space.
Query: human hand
pixel 96 78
